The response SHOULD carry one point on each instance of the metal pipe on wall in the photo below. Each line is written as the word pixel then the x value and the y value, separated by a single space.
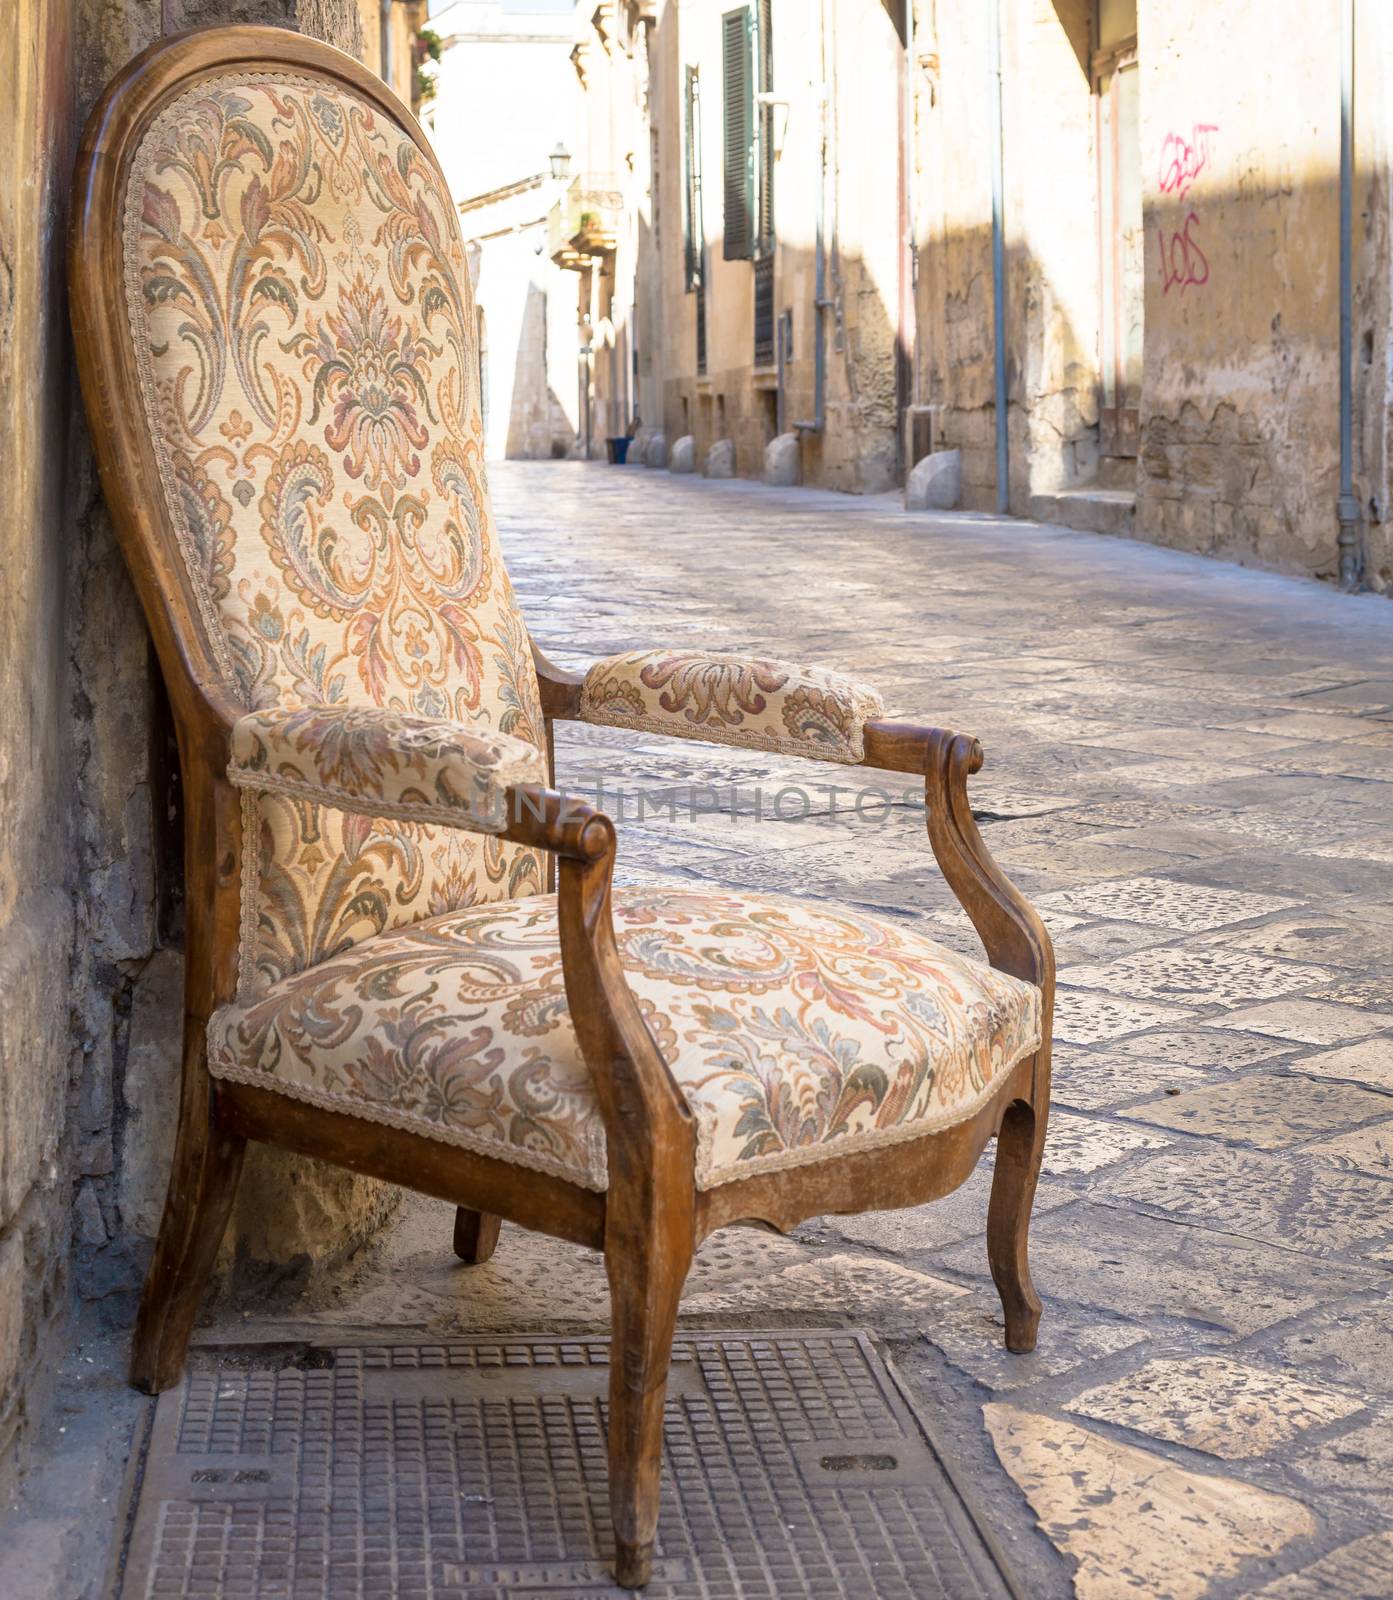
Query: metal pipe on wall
pixel 1347 506
pixel 1003 420
pixel 385 41
pixel 821 303
pixel 904 341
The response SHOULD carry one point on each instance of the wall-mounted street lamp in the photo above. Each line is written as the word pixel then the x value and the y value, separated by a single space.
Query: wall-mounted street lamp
pixel 560 159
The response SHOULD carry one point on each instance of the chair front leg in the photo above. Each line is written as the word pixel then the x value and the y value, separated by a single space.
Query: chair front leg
pixel 1020 1144
pixel 647 1269
pixel 650 1203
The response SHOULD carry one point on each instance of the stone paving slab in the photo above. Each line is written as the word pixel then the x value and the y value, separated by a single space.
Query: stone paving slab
pixel 1363 1567
pixel 1271 1110
pixel 1139 1266
pixel 1223 1407
pixel 1166 1530
pixel 1294 1202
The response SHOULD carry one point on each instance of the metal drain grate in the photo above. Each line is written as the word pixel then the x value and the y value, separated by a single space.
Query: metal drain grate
pixel 476 1471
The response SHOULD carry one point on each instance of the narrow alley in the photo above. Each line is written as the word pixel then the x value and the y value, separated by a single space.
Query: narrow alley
pixel 1188 769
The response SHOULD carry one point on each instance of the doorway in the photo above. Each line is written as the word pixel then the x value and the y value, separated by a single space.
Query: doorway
pixel 1121 242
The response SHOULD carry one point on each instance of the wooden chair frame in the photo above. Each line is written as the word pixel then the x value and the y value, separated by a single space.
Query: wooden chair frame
pixel 652 1218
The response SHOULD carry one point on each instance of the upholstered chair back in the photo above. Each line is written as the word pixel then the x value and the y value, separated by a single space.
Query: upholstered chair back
pixel 305 330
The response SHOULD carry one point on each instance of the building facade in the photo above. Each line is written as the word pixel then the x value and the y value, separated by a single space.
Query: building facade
pixel 504 105
pixel 838 185
pixel 1170 223
pixel 781 267
pixel 602 229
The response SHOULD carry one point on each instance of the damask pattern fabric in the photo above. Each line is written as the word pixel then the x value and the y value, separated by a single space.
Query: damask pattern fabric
pixel 797 1032
pixel 731 699
pixel 417 769
pixel 302 317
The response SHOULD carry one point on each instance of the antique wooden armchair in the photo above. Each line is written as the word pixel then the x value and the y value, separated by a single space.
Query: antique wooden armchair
pixel 276 339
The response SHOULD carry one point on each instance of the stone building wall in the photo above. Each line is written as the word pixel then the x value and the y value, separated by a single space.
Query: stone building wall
pixel 1050 246
pixel 90 976
pixel 1239 133
pixel 852 47
pixel 504 102
pixel 1239 447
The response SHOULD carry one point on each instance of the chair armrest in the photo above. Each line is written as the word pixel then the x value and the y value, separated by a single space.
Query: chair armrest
pixel 384 763
pixel 418 769
pixel 732 699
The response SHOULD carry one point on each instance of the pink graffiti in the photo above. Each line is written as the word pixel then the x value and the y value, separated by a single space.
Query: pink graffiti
pixel 1183 264
pixel 1182 159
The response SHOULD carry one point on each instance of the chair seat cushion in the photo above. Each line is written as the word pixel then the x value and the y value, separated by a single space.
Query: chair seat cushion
pixel 797 1031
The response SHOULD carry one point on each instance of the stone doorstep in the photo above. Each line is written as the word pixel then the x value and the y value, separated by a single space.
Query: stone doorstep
pixel 1088 510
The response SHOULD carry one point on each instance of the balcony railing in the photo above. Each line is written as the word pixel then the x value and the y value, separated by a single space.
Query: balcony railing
pixel 585 222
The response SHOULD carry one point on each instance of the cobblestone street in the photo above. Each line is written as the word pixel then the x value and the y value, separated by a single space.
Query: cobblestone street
pixel 1187 770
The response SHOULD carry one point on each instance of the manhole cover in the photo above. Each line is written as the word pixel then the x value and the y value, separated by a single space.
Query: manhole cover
pixel 476 1471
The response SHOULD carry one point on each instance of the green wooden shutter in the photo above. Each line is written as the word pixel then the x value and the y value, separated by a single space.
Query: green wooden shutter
pixel 765 135
pixel 738 63
pixel 691 182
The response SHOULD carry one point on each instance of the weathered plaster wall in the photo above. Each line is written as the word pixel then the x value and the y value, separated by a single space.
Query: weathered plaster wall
pixel 1240 177
pixel 89 915
pixel 1239 453
pixel 37 821
pixel 1373 296
pixel 1049 234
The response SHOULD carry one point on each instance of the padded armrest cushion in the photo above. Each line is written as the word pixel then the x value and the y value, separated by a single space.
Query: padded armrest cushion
pixel 730 699
pixel 383 763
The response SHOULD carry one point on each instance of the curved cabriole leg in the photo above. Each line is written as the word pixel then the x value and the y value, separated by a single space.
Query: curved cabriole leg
pixel 476 1235
pixel 1019 1146
pixel 202 1184
pixel 645 1284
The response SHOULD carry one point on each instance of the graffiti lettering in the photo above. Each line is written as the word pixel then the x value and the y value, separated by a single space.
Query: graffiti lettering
pixel 1183 263
pixel 1182 159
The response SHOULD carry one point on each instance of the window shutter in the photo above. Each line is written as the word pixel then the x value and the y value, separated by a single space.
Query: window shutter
pixel 738 63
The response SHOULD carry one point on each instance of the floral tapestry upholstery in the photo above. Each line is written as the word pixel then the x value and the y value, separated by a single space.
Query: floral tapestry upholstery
pixel 307 341
pixel 731 699
pixel 797 1031
pixel 417 769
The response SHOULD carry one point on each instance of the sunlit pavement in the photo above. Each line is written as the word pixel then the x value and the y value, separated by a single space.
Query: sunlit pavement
pixel 1190 768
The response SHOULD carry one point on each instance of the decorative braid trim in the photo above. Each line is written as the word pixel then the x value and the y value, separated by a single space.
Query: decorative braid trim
pixel 397 810
pixel 595 1175
pixel 250 918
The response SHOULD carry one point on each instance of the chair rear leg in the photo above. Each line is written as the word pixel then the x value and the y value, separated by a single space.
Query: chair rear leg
pixel 476 1235
pixel 1019 1146
pixel 645 1285
pixel 202 1185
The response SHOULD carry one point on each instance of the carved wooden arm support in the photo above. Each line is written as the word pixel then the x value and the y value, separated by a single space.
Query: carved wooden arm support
pixel 1010 929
